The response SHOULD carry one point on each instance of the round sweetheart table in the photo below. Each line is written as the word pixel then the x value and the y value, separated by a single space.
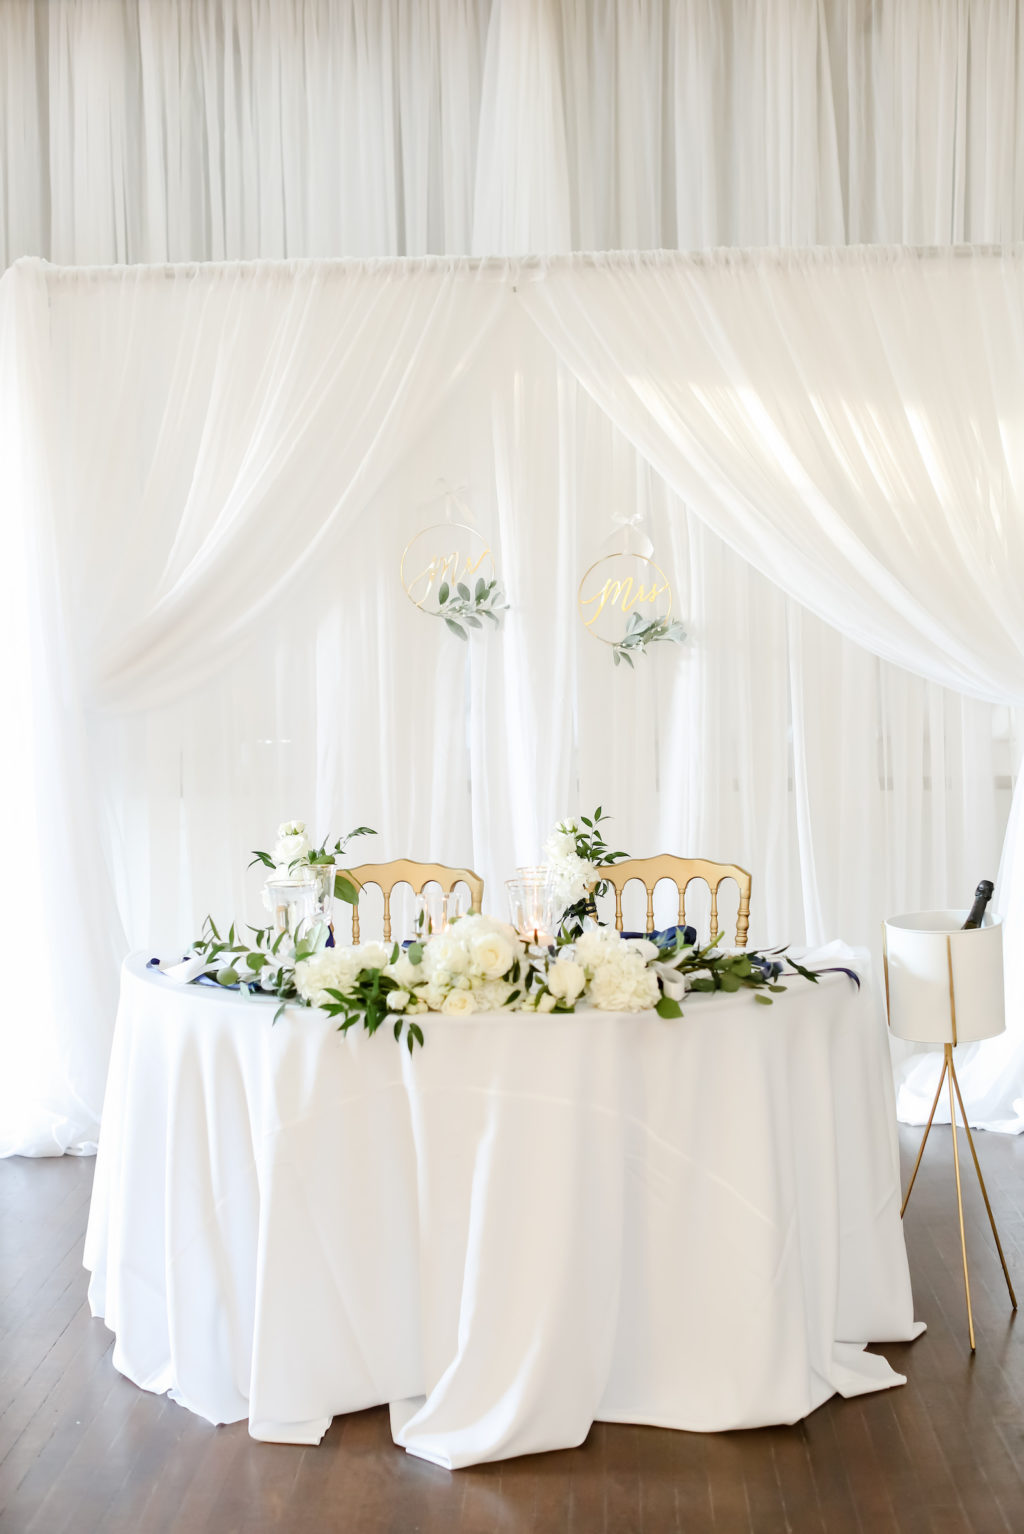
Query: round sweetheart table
pixel 532 1223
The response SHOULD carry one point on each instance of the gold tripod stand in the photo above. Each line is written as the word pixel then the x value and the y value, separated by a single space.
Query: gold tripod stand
pixel 949 1069
pixel 949 1073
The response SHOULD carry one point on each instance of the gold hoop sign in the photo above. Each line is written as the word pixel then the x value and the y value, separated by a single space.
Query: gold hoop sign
pixel 444 555
pixel 448 571
pixel 625 601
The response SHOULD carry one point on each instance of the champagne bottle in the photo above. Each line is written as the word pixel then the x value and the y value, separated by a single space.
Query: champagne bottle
pixel 982 896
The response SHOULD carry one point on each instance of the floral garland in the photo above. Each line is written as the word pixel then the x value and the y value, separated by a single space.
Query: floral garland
pixel 480 965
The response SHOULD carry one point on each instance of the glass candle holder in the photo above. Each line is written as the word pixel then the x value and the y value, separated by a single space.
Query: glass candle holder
pixel 533 906
pixel 322 875
pixel 430 914
pixel 292 904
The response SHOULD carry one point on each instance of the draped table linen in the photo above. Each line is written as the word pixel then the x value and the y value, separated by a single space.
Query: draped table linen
pixel 532 1223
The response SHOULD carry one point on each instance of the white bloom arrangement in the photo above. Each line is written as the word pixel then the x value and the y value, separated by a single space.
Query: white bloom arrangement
pixel 479 964
pixel 294 857
pixel 574 854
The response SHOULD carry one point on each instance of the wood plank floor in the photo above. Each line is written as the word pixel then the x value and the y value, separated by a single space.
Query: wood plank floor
pixel 81 1449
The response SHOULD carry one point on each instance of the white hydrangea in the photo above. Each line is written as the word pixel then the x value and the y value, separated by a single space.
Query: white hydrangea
pixel 572 875
pixel 332 968
pixel 492 995
pixel 618 971
pixel 624 988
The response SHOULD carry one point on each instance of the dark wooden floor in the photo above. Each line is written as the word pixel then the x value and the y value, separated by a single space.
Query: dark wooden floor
pixel 81 1449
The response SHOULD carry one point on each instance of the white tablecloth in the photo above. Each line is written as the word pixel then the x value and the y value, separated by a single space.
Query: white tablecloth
pixel 532 1223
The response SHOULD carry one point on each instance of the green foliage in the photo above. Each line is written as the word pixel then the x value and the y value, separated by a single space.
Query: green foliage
pixel 463 608
pixel 367 1003
pixel 641 632
pixel 592 848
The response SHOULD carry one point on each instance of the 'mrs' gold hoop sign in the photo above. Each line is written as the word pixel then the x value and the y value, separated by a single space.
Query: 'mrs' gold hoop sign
pixel 618 587
pixel 444 555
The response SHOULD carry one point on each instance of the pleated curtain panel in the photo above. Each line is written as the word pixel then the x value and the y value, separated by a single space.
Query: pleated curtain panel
pixel 209 471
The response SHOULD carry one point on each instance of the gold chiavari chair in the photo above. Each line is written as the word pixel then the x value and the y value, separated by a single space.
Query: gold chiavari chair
pixel 682 872
pixel 416 875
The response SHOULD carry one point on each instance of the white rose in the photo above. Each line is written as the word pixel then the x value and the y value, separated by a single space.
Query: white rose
pixel 566 979
pixel 459 1003
pixel 404 970
pixel 493 955
pixel 398 1000
pixel 546 1003
pixel 374 955
pixel 289 848
pixel 291 828
pixel 433 995
pixel 446 953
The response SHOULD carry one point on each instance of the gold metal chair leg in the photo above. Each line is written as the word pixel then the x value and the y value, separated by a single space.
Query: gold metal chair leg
pixel 924 1137
pixel 984 1190
pixel 959 1194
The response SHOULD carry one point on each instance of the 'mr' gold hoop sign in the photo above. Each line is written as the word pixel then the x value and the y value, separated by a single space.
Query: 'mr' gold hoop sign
pixel 444 555
pixel 618 586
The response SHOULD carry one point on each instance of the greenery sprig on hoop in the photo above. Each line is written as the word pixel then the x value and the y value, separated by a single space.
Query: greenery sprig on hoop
pixel 641 633
pixel 460 605
pixel 312 857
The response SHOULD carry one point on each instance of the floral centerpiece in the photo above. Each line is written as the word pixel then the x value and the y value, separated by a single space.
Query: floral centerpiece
pixel 481 965
pixel 294 857
pixel 574 854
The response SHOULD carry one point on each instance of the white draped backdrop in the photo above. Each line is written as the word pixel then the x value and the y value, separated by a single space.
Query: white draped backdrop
pixel 209 473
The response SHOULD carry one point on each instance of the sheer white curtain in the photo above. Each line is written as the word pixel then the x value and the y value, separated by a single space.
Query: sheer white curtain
pixel 156 763
pixel 853 423
pixel 180 445
pixel 151 130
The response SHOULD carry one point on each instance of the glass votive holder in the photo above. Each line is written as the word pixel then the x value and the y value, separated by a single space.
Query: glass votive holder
pixel 430 914
pixel 293 905
pixel 533 906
